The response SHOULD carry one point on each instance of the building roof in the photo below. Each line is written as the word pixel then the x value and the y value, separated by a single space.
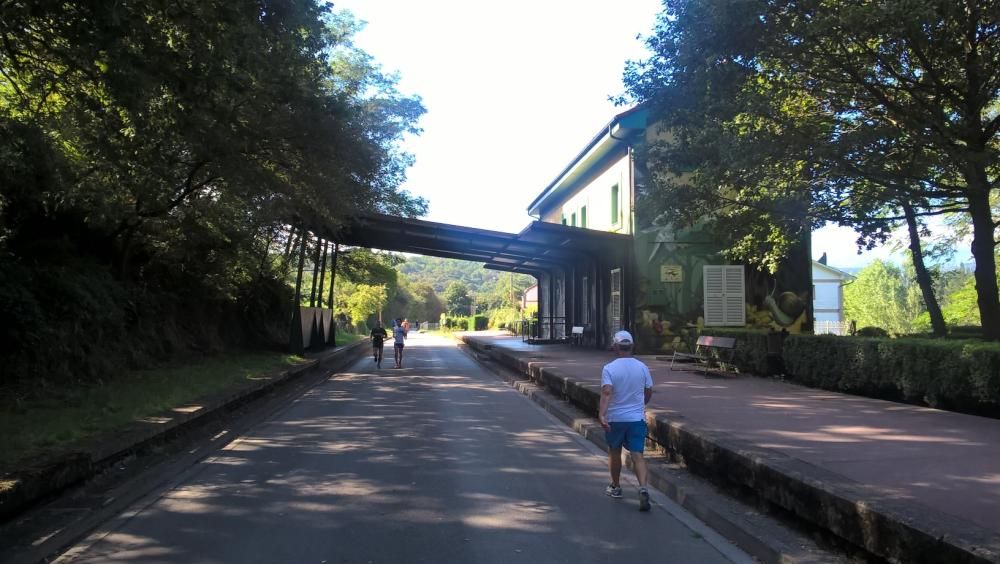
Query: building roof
pixel 618 131
pixel 537 248
pixel 834 271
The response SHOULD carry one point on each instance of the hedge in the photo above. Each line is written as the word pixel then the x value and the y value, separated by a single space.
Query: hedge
pixel 479 323
pixel 959 375
pixel 950 374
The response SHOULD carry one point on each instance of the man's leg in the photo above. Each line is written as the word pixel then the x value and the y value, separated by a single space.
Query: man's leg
pixel 636 442
pixel 615 465
pixel 639 465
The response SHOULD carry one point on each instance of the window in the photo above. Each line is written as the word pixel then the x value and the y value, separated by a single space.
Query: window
pixel 583 216
pixel 573 220
pixel 564 219
pixel 614 205
pixel 725 295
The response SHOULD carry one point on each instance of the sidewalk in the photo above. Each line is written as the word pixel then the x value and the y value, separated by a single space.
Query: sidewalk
pixel 887 476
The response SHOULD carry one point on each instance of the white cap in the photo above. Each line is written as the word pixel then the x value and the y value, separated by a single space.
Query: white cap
pixel 623 337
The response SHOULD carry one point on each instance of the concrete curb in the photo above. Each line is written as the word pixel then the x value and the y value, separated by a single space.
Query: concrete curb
pixel 756 534
pixel 893 529
pixel 43 478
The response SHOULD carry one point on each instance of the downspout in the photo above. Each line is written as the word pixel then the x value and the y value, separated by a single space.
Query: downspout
pixel 630 252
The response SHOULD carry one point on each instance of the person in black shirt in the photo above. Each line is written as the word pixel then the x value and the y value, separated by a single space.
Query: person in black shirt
pixel 377 337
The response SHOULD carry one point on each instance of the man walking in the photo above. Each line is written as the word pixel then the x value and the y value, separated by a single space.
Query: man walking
pixel 626 387
pixel 378 336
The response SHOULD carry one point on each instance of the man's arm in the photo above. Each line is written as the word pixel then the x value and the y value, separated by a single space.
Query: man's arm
pixel 602 413
pixel 648 393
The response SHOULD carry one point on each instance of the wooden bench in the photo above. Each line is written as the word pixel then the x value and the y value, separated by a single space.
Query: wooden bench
pixel 576 336
pixel 706 350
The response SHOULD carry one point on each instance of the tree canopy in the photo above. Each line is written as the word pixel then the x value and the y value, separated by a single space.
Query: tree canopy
pixel 162 150
pixel 779 115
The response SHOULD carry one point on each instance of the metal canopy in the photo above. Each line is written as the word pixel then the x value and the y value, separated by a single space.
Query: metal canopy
pixel 537 248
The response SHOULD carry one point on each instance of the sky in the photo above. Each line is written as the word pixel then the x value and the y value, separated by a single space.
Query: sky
pixel 513 92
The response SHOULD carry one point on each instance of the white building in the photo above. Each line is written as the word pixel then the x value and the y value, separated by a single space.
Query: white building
pixel 828 297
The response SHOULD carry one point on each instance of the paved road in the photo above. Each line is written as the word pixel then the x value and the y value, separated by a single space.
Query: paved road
pixel 435 462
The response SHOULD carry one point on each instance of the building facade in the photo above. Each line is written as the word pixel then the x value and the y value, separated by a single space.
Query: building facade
pixel 673 281
pixel 828 300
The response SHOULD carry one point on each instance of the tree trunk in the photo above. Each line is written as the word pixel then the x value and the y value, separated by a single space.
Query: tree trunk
pixel 315 275
pixel 333 281
pixel 938 328
pixel 983 245
pixel 289 242
pixel 322 273
pixel 271 234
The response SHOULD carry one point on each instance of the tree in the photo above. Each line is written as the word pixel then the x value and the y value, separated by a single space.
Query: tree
pixel 164 149
pixel 457 298
pixel 784 113
pixel 878 298
pixel 960 306
pixel 365 301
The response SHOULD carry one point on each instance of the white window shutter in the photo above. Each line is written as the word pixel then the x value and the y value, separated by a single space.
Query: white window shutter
pixel 715 285
pixel 725 295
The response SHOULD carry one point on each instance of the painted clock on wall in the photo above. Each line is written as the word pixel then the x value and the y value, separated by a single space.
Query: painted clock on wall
pixel 671 273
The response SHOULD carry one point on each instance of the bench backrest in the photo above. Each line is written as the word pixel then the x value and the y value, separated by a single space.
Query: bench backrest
pixel 716 342
pixel 577 331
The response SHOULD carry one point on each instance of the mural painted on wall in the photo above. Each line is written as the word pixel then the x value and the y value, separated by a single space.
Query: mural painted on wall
pixel 782 301
pixel 670 296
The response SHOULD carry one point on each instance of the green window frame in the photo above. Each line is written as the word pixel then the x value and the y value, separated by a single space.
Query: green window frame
pixel 583 216
pixel 573 219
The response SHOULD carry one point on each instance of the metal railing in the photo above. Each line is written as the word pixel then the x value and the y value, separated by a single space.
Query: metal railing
pixel 545 329
pixel 834 327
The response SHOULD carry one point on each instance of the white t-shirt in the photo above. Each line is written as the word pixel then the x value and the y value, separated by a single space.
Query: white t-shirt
pixel 629 379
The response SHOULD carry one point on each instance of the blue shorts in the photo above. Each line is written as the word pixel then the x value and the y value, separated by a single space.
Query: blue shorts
pixel 631 434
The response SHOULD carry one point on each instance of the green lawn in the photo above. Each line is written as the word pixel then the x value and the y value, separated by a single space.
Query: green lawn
pixel 65 414
pixel 348 338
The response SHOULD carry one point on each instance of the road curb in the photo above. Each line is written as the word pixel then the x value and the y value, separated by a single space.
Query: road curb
pixel 893 529
pixel 46 477
pixel 756 534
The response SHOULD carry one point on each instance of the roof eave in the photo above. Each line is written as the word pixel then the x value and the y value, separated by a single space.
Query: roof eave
pixel 621 128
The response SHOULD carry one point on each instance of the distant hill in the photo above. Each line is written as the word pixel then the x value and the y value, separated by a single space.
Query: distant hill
pixel 439 272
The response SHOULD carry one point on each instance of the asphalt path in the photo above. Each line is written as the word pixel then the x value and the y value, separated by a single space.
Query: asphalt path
pixel 439 461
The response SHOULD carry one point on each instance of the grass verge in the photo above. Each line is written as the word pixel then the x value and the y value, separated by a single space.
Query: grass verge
pixel 61 415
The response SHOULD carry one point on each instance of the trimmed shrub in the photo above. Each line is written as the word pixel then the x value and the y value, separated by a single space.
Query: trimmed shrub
pixel 454 323
pixel 874 332
pixel 478 322
pixel 957 375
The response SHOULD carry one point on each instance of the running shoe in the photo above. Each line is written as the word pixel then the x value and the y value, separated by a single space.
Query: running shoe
pixel 613 491
pixel 643 500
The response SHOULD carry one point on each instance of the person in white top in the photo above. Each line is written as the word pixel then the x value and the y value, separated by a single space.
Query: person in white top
pixel 626 388
pixel 399 340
